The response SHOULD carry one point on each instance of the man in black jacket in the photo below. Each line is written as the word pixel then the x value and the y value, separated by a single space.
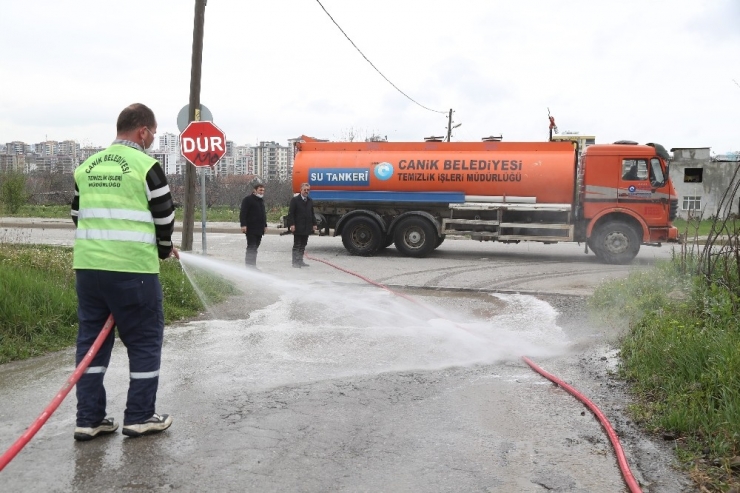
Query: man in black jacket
pixel 253 220
pixel 301 222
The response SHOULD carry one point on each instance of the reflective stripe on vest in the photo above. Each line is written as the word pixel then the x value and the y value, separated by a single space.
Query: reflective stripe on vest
pixel 115 214
pixel 109 235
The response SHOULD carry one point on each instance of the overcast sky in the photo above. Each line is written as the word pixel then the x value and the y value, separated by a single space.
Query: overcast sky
pixel 645 70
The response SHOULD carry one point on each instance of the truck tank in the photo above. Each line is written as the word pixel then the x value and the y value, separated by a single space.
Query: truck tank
pixel 452 172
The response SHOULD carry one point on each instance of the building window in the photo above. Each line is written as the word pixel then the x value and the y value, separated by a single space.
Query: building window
pixel 692 175
pixel 691 203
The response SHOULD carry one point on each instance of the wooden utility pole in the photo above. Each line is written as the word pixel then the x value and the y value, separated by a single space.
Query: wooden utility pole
pixel 194 115
pixel 449 126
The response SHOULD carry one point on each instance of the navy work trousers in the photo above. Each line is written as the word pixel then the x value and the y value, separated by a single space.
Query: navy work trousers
pixel 135 300
pixel 253 244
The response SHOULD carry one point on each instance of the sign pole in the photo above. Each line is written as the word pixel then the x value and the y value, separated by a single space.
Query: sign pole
pixel 195 70
pixel 203 208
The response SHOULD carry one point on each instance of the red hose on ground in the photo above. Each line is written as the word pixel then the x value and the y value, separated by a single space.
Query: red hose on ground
pixel 382 286
pixel 629 479
pixel 54 404
pixel 621 458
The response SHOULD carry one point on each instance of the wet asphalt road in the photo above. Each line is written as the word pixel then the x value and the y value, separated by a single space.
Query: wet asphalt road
pixel 312 380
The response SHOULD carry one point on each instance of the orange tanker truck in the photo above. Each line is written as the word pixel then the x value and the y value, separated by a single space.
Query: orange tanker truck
pixel 613 197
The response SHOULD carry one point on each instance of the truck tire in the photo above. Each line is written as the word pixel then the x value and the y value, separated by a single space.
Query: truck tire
pixel 415 237
pixel 362 236
pixel 591 242
pixel 616 242
pixel 440 239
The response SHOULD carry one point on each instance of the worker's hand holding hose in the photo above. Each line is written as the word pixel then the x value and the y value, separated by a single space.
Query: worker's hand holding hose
pixel 175 253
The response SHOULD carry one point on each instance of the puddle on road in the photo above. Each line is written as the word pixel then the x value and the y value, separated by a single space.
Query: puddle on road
pixel 310 331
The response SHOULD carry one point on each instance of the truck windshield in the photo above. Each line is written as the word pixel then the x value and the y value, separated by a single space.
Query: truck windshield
pixel 657 177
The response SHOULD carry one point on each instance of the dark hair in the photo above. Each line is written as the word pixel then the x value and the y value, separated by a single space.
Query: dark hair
pixel 135 116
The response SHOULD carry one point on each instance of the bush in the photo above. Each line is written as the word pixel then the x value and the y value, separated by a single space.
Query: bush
pixel 13 191
pixel 682 358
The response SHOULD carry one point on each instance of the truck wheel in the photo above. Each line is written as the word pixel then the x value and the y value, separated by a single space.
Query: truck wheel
pixel 415 237
pixel 616 243
pixel 361 236
pixel 440 239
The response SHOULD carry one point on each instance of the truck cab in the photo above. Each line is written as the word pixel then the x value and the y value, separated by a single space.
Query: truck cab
pixel 627 199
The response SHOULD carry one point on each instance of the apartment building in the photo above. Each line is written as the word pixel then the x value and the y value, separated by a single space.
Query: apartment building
pixel 86 152
pixel 169 143
pixel 60 163
pixel 167 159
pixel 12 163
pixel 243 160
pixel 17 147
pixel 271 161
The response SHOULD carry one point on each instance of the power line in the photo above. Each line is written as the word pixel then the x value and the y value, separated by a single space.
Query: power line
pixel 373 66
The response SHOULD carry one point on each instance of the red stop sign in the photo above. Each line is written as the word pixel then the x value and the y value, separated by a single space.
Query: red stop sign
pixel 203 143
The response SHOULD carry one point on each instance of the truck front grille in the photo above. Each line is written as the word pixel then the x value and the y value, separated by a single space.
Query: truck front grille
pixel 673 213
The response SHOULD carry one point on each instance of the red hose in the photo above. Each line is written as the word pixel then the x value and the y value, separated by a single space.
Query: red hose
pixel 54 404
pixel 629 479
pixel 621 458
pixel 382 286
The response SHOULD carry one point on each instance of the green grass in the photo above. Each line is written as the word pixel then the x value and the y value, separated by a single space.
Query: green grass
pixel 45 211
pixel 228 214
pixel 215 214
pixel 38 306
pixel 701 228
pixel 682 357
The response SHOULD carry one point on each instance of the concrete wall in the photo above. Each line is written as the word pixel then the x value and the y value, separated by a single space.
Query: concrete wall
pixel 716 177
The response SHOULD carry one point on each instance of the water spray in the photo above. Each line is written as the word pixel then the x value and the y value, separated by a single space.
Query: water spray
pixel 624 468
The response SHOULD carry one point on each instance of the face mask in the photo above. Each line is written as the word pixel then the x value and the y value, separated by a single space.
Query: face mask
pixel 143 143
pixel 260 195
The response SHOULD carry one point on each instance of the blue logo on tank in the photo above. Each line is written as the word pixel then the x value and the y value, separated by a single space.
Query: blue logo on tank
pixel 383 171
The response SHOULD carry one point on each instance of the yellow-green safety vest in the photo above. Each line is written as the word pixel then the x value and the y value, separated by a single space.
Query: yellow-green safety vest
pixel 115 229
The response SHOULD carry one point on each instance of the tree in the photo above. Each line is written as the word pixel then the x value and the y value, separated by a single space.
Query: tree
pixel 13 191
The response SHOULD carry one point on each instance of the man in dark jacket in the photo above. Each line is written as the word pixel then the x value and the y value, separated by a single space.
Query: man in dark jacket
pixel 301 222
pixel 253 220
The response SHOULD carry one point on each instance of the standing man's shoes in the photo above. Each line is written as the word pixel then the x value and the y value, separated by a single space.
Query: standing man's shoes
pixel 303 264
pixel 155 424
pixel 85 433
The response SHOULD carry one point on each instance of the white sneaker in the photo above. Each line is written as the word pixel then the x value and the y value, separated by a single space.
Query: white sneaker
pixel 83 434
pixel 155 424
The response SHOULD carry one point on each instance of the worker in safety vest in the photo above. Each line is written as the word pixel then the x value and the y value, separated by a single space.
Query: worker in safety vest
pixel 125 217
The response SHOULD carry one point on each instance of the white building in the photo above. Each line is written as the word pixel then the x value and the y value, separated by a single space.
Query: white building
pixel 271 161
pixel 168 160
pixel 169 143
pixel 17 147
pixel 243 160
